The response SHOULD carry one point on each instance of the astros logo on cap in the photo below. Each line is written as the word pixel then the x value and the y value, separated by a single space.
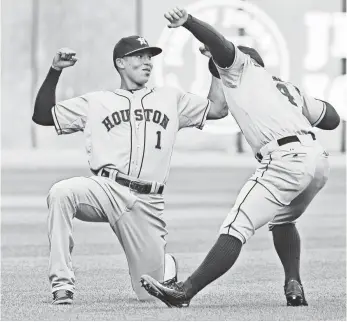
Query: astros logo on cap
pixel 142 41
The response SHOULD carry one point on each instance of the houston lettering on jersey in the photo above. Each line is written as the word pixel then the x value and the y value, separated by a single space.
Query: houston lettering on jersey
pixel 124 116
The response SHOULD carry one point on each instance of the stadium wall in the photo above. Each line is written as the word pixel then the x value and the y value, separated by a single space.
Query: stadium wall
pixel 93 27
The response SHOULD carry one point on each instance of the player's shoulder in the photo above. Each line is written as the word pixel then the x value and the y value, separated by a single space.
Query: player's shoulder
pixel 100 97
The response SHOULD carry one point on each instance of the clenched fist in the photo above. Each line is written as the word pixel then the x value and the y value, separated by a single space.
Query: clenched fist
pixel 177 17
pixel 65 57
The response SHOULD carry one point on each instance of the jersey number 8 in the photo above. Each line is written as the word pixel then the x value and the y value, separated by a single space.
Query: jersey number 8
pixel 286 91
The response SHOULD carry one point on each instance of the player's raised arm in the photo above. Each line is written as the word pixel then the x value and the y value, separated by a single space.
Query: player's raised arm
pixel 222 50
pixel 219 107
pixel 45 98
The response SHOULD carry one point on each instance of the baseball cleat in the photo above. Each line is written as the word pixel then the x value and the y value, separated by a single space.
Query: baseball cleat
pixel 294 293
pixel 169 292
pixel 62 297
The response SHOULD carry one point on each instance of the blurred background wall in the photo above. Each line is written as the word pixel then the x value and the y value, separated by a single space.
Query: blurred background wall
pixel 303 41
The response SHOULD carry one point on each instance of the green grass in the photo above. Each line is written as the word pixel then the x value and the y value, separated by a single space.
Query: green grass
pixel 197 202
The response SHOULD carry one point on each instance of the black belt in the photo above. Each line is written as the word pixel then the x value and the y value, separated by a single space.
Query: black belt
pixel 138 186
pixel 285 140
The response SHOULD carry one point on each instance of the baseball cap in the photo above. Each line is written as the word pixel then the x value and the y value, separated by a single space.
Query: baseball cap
pixel 133 44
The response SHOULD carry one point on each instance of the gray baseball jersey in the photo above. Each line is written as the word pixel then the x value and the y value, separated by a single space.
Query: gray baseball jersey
pixel 293 169
pixel 133 132
pixel 280 108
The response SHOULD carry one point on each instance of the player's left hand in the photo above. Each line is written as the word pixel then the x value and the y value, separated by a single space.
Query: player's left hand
pixel 176 16
pixel 205 51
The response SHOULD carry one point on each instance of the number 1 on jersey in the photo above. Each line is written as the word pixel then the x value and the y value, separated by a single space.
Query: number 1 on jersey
pixel 158 146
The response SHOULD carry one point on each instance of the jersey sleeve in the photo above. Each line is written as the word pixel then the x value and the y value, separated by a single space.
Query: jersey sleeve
pixel 192 110
pixel 70 115
pixel 313 109
pixel 231 76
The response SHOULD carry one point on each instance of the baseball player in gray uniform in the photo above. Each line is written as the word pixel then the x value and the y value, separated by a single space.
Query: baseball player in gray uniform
pixel 276 119
pixel 129 138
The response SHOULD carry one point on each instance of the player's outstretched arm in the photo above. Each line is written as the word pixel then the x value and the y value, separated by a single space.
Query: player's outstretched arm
pixel 222 50
pixel 219 107
pixel 45 98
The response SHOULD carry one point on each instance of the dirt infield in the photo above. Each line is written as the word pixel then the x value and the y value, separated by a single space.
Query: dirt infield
pixel 197 202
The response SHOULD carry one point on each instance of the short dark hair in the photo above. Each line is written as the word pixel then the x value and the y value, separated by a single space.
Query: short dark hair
pixel 253 54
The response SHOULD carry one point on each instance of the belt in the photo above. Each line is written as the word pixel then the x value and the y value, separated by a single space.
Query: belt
pixel 136 185
pixel 285 140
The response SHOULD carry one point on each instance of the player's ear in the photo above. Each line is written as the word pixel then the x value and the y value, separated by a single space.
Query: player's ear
pixel 119 63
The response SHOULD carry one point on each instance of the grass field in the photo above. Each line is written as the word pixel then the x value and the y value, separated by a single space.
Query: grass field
pixel 197 202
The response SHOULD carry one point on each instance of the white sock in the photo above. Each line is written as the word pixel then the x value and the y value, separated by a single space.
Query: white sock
pixel 170 270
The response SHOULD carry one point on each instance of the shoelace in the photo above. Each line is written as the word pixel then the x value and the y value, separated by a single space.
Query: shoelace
pixel 170 282
pixel 67 293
